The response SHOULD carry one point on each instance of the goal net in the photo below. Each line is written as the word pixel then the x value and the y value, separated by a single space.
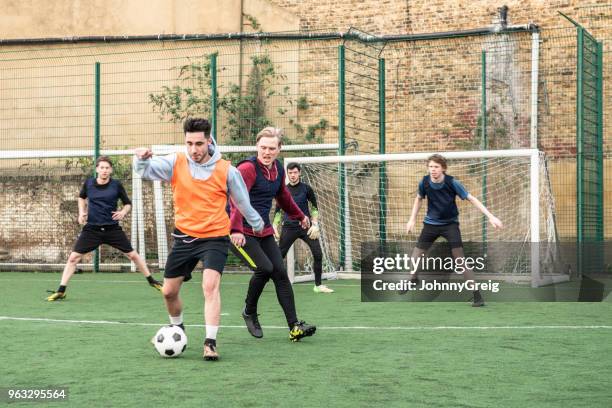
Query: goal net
pixel 368 198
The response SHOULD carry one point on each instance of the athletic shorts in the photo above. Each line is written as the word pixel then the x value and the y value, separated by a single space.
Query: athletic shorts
pixel 188 251
pixel 432 232
pixel 92 236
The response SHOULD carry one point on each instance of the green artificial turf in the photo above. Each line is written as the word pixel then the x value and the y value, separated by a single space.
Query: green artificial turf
pixel 401 354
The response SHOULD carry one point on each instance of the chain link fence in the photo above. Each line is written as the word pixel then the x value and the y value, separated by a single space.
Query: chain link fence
pixel 461 93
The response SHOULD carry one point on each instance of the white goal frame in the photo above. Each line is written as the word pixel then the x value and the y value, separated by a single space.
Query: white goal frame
pixel 534 196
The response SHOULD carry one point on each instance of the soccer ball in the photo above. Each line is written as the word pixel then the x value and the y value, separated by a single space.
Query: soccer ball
pixel 170 341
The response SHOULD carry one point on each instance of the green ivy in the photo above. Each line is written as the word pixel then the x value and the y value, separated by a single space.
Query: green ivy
pixel 242 108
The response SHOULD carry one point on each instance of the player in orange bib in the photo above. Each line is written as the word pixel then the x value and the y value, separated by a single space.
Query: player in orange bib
pixel 201 183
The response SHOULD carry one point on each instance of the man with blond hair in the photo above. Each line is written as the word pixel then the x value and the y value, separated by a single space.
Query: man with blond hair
pixel 264 177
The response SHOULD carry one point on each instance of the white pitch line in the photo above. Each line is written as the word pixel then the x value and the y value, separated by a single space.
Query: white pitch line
pixel 141 281
pixel 397 328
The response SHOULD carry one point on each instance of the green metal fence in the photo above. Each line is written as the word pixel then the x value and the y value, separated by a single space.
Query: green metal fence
pixel 589 140
pixel 404 95
pixel 361 113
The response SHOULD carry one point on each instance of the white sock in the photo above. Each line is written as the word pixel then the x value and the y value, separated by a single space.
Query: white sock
pixel 211 332
pixel 176 319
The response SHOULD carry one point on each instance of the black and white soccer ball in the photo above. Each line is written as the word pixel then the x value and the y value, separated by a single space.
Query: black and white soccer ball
pixel 170 341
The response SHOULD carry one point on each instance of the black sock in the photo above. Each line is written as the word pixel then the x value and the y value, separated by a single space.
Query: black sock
pixel 150 279
pixel 212 342
pixel 62 288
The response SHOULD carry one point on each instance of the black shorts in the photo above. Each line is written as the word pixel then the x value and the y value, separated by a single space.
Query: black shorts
pixel 188 251
pixel 431 232
pixel 92 236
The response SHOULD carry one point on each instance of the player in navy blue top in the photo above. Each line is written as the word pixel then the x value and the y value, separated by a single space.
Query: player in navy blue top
pixel 302 194
pixel 442 219
pixel 100 219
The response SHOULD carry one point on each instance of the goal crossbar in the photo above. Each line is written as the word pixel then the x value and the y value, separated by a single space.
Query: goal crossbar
pixel 159 149
pixel 484 154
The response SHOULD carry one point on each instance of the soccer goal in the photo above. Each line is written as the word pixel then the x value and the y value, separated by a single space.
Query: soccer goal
pixel 368 198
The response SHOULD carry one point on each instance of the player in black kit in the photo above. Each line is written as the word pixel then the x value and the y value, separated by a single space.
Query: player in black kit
pixel 302 194
pixel 100 219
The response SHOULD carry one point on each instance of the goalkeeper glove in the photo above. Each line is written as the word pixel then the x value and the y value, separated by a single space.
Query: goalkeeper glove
pixel 314 232
pixel 276 225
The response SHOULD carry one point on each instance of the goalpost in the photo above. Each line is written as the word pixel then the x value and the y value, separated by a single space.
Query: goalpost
pixel 513 184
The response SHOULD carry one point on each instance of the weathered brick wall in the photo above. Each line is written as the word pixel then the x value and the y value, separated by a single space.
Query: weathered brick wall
pixel 38 217
pixel 403 16
pixel 376 17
